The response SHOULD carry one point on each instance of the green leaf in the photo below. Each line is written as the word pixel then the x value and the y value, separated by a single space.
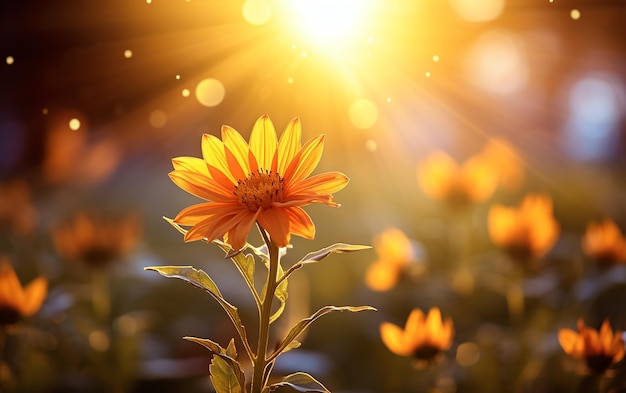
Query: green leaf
pixel 200 279
pixel 178 227
pixel 301 382
pixel 231 350
pixel 225 379
pixel 304 323
pixel 318 255
pixel 208 344
pixel 243 262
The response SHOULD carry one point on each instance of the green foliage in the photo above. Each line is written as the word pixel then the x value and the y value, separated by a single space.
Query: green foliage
pixel 301 382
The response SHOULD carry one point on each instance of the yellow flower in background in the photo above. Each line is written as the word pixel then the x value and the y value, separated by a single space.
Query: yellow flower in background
pixel 529 230
pixel 604 242
pixel 442 178
pixel 96 240
pixel 600 349
pixel 266 181
pixel 421 338
pixel 394 252
pixel 17 302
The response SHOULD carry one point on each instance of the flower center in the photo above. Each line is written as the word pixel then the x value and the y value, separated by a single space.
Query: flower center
pixel 259 190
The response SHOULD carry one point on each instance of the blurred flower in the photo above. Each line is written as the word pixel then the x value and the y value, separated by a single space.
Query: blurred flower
pixel 600 349
pixel 506 161
pixel 441 178
pixel 421 338
pixel 394 253
pixel 95 240
pixel 527 231
pixel 265 182
pixel 17 302
pixel 17 213
pixel 604 242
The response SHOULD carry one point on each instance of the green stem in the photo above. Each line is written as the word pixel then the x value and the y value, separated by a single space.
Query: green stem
pixel 100 297
pixel 260 360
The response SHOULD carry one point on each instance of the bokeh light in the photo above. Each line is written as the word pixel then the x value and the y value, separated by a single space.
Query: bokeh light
pixel 128 53
pixel 210 92
pixel 74 124
pixel 10 60
pixel 496 63
pixel 256 12
pixel 363 113
pixel 157 118
pixel 575 14
pixel 478 10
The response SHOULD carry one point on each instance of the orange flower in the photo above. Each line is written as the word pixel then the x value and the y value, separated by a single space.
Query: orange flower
pixel 440 177
pixel 600 349
pixel 504 159
pixel 17 302
pixel 394 253
pixel 17 212
pixel 95 240
pixel 265 181
pixel 527 231
pixel 421 338
pixel 604 242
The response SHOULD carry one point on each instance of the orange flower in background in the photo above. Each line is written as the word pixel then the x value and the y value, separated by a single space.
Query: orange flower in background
pixel 394 251
pixel 604 242
pixel 421 338
pixel 266 181
pixel 505 160
pixel 17 213
pixel 96 240
pixel 17 302
pixel 527 231
pixel 600 349
pixel 441 178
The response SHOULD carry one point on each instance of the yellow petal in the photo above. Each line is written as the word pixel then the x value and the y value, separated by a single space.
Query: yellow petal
pixel 200 186
pixel 263 142
pixel 322 184
pixel 289 145
pixel 305 160
pixel 213 154
pixel 238 147
pixel 10 289
pixel 34 295
pixel 436 175
pixel 414 326
pixel 238 234
pixel 381 276
pixel 393 337
pixel 190 164
pixel 501 224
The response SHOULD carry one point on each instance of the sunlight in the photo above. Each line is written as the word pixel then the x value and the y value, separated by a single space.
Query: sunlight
pixel 328 21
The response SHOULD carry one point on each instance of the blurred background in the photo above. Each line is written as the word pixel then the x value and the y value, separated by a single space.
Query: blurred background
pixel 96 98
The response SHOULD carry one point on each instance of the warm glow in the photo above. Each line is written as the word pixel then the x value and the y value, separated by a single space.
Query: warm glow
pixel 363 114
pixel 10 60
pixel 157 118
pixel 256 12
pixel 210 92
pixel 74 124
pixel 128 53
pixel 327 21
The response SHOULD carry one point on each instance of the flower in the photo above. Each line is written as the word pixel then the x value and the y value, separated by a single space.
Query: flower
pixel 600 349
pixel 441 178
pixel 527 231
pixel 17 302
pixel 394 253
pixel 17 213
pixel 603 241
pixel 265 181
pixel 504 159
pixel 421 338
pixel 95 240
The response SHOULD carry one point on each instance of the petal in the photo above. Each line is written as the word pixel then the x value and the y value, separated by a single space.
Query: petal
pixel 437 174
pixel 414 325
pixel 213 154
pixel 195 213
pixel 381 276
pixel 34 295
pixel 289 144
pixel 501 224
pixel 393 338
pixel 190 164
pixel 201 186
pixel 263 142
pixel 276 222
pixel 237 146
pixel 238 234
pixel 10 289
pixel 300 224
pixel 322 184
pixel 568 339
pixel 238 172
pixel 304 161
pixel 207 226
